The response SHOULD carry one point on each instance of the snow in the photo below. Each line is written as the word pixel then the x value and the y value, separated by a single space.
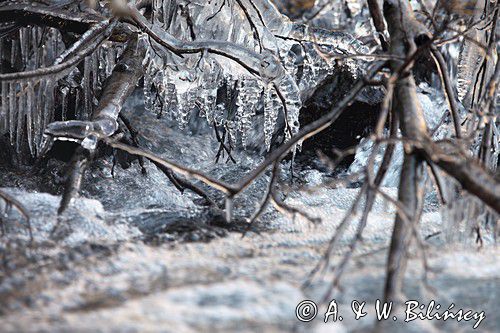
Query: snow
pixel 231 283
pixel 86 220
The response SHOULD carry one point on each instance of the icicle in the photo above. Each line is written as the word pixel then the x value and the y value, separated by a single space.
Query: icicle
pixel 291 97
pixel 159 106
pixel 1 55
pixel 64 103
pixel 148 100
pixel 168 12
pixel 30 109
pixel 13 52
pixel 39 92
pixel 271 110
pixel 170 95
pixel 110 60
pixel 288 58
pixel 87 102
pixel 231 128
pixel 218 114
pixel 12 111
pixel 78 100
pixel 165 11
pixel 207 99
pixel 209 82
pixel 231 82
pixel 48 104
pixel 36 45
pixel 185 104
pixel 46 41
pixel 247 100
pixel 20 118
pixel 24 43
pixel 54 52
pixel 95 74
pixel 4 111
pixel 185 97
pixel 156 5
pixel 101 60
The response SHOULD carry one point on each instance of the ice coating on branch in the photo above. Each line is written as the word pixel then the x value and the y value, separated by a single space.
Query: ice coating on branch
pixel 266 51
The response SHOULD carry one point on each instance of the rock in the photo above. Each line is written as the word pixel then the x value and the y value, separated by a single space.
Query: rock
pixel 85 221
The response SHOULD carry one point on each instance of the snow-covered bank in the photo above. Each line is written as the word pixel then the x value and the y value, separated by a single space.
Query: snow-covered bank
pixel 118 283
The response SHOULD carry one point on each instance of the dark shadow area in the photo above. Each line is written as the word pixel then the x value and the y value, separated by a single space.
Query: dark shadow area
pixel 356 122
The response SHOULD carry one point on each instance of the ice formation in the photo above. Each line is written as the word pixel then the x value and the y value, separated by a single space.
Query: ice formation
pixel 28 104
pixel 287 60
pixel 221 89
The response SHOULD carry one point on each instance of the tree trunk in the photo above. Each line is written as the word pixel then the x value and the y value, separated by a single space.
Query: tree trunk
pixel 399 16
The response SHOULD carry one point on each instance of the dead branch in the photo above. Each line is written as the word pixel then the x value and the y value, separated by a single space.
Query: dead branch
pixel 100 33
pixel 378 22
pixel 10 200
pixel 399 16
pixel 466 170
pixel 448 88
pixel 118 87
pixel 38 13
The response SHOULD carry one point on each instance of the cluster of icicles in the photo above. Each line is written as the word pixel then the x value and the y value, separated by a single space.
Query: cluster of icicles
pixel 224 93
pixel 223 99
pixel 27 106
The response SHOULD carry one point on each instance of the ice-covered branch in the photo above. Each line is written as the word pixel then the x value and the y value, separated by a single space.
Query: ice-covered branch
pixel 118 87
pixel 68 60
pixel 265 65
pixel 38 13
